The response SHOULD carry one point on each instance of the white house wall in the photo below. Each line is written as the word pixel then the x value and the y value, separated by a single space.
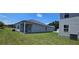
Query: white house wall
pixel 73 26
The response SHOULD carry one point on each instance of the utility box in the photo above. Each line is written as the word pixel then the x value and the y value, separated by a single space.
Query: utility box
pixel 74 36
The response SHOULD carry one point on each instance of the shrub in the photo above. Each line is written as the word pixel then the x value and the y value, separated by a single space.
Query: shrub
pixel 13 29
pixel 1 25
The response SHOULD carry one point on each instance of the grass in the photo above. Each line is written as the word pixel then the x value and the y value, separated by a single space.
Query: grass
pixel 8 37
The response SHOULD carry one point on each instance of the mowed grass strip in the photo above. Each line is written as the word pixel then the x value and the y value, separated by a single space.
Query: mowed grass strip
pixel 8 37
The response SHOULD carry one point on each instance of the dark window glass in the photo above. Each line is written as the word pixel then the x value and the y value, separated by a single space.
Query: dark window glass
pixel 66 28
pixel 46 28
pixel 66 15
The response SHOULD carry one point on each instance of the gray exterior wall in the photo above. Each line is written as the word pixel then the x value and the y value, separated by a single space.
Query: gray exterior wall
pixel 70 15
pixel 21 27
pixel 38 28
pixel 50 28
pixel 73 26
pixel 17 29
pixel 34 28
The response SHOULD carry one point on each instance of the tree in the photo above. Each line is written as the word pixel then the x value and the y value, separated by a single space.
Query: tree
pixel 55 23
pixel 1 25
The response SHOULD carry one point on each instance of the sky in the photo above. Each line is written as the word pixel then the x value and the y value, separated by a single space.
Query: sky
pixel 12 18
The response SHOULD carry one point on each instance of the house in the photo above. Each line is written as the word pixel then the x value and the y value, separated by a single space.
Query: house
pixel 28 26
pixel 69 25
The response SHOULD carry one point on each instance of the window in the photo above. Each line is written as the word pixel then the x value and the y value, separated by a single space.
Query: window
pixel 66 15
pixel 66 28
pixel 46 28
pixel 17 26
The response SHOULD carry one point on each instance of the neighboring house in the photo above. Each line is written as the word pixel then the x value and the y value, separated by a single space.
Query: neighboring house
pixel 69 25
pixel 28 26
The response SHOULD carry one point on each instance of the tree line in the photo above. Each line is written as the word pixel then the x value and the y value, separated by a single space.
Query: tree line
pixel 55 24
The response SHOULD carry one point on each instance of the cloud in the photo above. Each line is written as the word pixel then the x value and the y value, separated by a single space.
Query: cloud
pixel 5 19
pixel 39 15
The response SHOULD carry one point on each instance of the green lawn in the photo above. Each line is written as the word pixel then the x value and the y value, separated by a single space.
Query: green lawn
pixel 9 37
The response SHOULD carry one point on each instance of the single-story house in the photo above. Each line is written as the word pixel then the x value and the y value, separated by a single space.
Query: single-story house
pixel 28 26
pixel 69 25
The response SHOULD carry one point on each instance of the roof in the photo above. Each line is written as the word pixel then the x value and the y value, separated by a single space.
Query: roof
pixel 35 21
